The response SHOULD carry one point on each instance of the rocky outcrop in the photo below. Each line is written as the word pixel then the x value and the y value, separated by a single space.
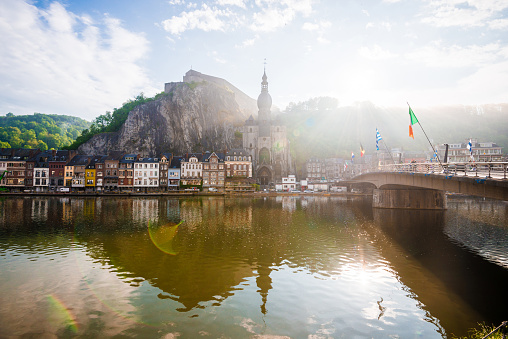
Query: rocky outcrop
pixel 190 117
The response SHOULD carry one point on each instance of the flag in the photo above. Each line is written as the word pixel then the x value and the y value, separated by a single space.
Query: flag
pixel 470 148
pixel 378 139
pixel 362 151
pixel 352 156
pixel 412 120
pixel 345 165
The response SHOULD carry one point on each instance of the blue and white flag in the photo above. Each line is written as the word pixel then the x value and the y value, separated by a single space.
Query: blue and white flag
pixel 470 148
pixel 378 138
pixel 352 156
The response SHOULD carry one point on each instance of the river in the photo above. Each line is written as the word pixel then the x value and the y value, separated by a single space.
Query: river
pixel 249 267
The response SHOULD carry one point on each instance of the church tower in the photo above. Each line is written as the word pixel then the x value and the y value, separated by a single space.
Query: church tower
pixel 264 106
pixel 267 143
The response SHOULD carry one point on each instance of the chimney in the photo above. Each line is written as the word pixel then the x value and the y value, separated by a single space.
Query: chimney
pixel 53 152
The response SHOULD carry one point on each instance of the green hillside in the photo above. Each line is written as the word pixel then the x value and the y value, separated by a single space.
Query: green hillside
pixel 43 131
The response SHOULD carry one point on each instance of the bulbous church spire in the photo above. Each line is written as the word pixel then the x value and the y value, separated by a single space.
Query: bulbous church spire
pixel 264 98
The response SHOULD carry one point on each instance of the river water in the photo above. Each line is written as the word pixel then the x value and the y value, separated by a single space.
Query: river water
pixel 249 267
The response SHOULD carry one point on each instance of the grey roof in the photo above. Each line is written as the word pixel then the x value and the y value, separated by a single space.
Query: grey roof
pixel 207 156
pixel 237 151
pixel 148 160
pixel 115 155
pixel 96 159
pixel 167 155
pixel 250 121
pixel 199 156
pixel 125 160
pixel 79 160
pixel 176 162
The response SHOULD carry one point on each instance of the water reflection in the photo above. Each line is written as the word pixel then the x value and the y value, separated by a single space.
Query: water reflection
pixel 296 266
pixel 455 285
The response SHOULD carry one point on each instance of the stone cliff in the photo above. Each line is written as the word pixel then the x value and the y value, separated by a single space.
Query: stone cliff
pixel 192 116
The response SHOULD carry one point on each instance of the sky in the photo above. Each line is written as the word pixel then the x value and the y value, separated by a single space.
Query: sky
pixel 86 57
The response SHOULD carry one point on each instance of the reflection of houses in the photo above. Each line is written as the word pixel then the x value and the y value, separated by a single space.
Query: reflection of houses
pixel 40 209
pixel 265 140
pixel 144 210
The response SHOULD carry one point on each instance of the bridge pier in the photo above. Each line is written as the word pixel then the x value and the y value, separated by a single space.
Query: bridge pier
pixel 409 198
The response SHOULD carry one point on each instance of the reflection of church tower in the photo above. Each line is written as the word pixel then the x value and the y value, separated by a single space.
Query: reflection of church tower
pixel 264 283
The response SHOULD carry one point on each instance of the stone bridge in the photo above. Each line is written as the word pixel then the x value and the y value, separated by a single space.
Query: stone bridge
pixel 421 186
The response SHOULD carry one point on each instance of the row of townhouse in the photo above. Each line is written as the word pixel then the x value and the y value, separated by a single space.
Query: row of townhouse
pixel 33 170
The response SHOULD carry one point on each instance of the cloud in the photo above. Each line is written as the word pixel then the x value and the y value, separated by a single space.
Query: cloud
pixel 498 24
pixel 375 53
pixel 320 28
pixel 54 61
pixel 262 16
pixel 239 3
pixel 206 19
pixel 274 14
pixel 385 25
pixel 248 42
pixel 435 55
pixel 215 56
pixel 469 13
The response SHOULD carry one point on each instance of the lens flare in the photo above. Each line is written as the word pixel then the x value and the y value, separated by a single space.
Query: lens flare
pixel 163 236
pixel 59 313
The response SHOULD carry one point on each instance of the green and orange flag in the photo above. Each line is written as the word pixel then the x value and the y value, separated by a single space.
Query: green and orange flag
pixel 412 120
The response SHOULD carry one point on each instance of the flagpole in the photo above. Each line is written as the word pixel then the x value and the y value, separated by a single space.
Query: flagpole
pixel 388 151
pixel 428 139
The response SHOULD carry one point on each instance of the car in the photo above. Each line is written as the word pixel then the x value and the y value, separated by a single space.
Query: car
pixel 192 189
pixel 308 191
pixel 296 191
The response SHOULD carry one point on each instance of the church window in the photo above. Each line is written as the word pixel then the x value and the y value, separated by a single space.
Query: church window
pixel 250 145
pixel 264 156
pixel 250 130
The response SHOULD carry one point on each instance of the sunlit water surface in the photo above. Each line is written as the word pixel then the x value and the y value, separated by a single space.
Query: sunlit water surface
pixel 287 266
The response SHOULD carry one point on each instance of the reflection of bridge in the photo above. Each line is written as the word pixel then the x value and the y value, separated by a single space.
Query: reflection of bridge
pixel 408 185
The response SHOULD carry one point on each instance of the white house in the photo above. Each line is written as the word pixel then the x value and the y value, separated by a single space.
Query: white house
pixel 289 183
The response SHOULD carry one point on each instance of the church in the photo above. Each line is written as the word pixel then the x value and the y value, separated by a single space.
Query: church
pixel 266 141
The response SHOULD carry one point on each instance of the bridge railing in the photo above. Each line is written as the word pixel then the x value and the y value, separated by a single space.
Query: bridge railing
pixel 496 170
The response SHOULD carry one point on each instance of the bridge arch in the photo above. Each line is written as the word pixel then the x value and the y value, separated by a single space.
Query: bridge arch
pixel 488 188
